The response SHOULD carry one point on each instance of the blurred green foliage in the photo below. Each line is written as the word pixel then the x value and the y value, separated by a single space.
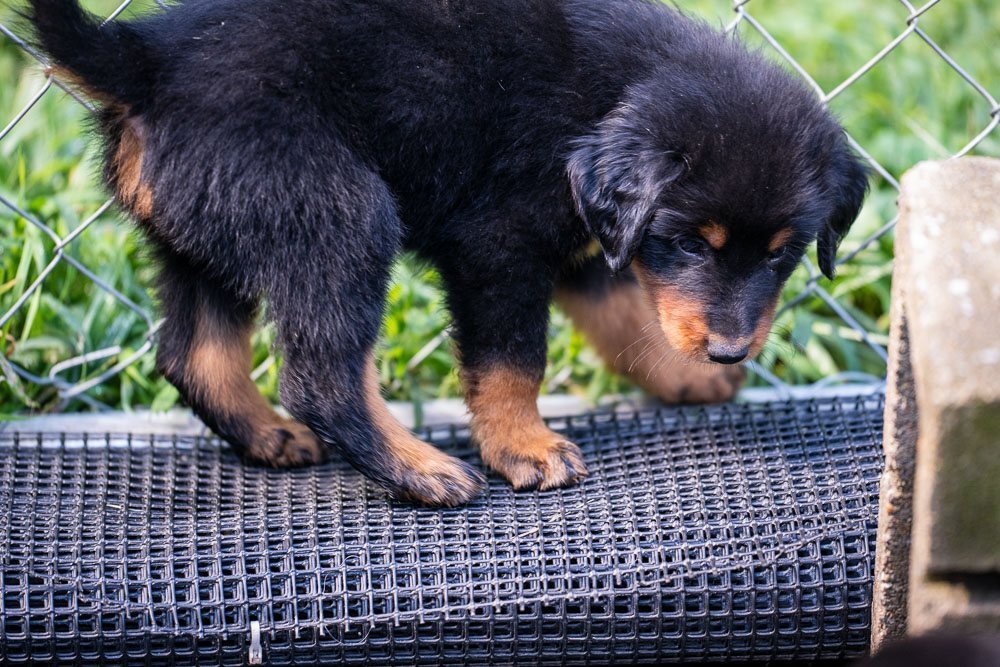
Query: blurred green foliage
pixel 910 107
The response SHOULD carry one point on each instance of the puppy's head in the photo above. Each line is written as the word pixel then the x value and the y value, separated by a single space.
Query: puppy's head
pixel 711 180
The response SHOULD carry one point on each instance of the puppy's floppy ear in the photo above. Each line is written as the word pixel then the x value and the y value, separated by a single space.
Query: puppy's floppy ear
pixel 615 185
pixel 848 186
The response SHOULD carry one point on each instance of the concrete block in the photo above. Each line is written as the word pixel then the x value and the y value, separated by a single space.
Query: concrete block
pixel 955 606
pixel 941 488
pixel 948 253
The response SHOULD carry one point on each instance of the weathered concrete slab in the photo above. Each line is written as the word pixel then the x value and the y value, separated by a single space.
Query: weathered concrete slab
pixel 962 606
pixel 948 252
pixel 946 330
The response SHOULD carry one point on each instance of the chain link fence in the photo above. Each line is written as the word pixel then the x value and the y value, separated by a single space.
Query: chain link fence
pixel 72 378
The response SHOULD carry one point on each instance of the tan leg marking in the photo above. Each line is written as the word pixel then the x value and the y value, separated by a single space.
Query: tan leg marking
pixel 511 435
pixel 217 374
pixel 621 325
pixel 625 330
pixel 425 474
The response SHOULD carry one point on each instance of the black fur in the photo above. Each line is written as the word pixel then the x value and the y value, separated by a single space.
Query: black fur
pixel 294 148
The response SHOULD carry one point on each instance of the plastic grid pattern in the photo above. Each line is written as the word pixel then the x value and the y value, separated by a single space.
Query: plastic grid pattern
pixel 735 532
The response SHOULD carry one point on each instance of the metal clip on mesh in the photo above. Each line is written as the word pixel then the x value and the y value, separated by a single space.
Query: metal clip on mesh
pixel 734 532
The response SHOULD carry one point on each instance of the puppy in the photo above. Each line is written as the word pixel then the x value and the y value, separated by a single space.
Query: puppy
pixel 286 152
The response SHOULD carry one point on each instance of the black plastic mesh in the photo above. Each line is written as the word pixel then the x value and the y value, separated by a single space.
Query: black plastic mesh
pixel 734 532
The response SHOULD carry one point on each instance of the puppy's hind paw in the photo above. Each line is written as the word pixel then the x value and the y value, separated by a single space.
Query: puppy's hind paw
pixel 287 445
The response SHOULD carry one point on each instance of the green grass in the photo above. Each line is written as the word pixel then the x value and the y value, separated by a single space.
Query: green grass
pixel 911 107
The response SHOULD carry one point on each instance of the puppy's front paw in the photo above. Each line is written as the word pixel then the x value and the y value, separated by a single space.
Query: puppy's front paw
pixel 697 383
pixel 286 445
pixel 712 384
pixel 542 460
pixel 439 481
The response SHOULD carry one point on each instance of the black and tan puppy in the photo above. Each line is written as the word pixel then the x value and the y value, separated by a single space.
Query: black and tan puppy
pixel 287 151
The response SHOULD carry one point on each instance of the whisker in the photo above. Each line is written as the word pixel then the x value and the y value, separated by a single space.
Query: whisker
pixel 666 355
pixel 670 355
pixel 650 346
pixel 629 347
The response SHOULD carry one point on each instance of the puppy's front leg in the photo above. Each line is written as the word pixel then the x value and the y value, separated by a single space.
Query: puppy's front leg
pixel 501 318
pixel 511 435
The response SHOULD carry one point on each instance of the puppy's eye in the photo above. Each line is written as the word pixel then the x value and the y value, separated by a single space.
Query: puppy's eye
pixel 691 246
pixel 774 259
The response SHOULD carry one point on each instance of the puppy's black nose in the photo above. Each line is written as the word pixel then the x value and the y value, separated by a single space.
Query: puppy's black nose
pixel 725 352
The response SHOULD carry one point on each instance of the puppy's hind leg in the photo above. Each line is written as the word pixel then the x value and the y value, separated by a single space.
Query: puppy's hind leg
pixel 326 295
pixel 204 350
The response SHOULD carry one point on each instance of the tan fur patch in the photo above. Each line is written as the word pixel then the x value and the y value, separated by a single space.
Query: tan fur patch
pixel 410 450
pixel 133 193
pixel 681 318
pixel 625 330
pixel 217 377
pixel 592 249
pixel 76 84
pixel 714 233
pixel 763 329
pixel 614 324
pixel 143 205
pixel 218 371
pixel 435 478
pixel 504 401
pixel 512 437
pixel 779 239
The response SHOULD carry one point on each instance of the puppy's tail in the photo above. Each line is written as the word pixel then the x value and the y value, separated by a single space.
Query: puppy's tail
pixel 110 61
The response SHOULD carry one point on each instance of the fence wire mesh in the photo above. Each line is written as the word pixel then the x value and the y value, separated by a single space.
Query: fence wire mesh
pixel 74 374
